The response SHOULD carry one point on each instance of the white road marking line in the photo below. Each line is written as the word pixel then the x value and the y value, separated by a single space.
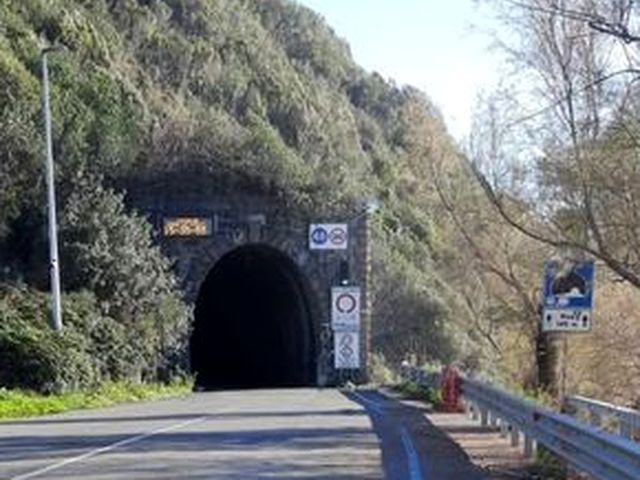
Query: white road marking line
pixel 107 448
pixel 374 405
pixel 412 455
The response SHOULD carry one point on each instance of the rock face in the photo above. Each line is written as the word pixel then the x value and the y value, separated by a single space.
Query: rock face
pixel 205 234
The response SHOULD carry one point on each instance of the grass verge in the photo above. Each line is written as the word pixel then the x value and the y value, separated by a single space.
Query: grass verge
pixel 413 391
pixel 20 403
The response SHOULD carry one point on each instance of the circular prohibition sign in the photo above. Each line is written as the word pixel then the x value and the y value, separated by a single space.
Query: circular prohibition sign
pixel 338 236
pixel 346 303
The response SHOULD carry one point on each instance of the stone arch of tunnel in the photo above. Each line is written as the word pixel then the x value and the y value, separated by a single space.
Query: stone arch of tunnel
pixel 253 323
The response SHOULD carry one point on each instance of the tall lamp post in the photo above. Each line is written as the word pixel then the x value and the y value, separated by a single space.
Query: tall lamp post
pixel 54 264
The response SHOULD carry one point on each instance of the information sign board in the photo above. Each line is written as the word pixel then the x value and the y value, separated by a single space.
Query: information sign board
pixel 345 308
pixel 346 347
pixel 186 227
pixel 568 296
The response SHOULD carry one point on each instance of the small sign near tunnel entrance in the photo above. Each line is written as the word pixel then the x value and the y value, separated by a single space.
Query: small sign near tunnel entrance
pixel 186 227
pixel 328 236
pixel 346 347
pixel 345 308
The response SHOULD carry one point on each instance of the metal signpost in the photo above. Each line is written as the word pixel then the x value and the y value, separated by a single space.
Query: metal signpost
pixel 568 296
pixel 328 236
pixel 54 266
pixel 345 300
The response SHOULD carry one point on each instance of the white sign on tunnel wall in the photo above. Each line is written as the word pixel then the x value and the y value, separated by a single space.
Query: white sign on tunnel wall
pixel 346 347
pixel 345 308
pixel 328 236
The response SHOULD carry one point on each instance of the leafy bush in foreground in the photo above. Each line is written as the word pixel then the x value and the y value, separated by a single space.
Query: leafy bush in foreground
pixel 91 349
pixel 34 357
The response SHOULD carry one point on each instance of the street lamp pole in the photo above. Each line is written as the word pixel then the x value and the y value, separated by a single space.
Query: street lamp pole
pixel 54 264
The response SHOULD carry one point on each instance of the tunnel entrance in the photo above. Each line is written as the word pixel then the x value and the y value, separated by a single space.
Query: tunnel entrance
pixel 253 325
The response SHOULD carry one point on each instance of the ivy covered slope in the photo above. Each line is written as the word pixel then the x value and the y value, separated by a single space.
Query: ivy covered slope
pixel 257 93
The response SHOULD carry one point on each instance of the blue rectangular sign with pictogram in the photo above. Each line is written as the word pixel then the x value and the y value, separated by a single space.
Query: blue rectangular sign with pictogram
pixel 568 296
pixel 328 236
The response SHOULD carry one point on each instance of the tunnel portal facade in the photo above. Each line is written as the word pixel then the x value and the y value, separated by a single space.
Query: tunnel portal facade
pixel 261 297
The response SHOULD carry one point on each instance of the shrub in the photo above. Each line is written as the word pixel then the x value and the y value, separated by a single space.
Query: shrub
pixel 110 252
pixel 34 357
pixel 91 349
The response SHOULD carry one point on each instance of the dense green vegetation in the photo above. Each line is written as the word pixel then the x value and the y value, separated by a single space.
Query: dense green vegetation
pixel 18 403
pixel 236 93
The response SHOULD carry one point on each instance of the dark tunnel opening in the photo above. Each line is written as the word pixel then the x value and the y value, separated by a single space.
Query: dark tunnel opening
pixel 253 325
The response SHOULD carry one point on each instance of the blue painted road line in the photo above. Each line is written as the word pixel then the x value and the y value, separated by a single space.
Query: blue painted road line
pixel 413 462
pixel 412 455
pixel 376 407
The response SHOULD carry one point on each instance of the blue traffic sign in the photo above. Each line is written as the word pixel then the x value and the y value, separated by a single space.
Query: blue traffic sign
pixel 568 286
pixel 328 236
pixel 319 236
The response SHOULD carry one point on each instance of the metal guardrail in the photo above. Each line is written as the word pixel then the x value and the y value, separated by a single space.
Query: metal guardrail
pixel 626 420
pixel 584 447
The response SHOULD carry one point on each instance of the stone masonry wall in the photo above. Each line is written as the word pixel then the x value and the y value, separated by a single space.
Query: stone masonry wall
pixel 241 219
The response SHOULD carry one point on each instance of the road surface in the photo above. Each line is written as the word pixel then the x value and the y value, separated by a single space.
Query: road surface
pixel 286 433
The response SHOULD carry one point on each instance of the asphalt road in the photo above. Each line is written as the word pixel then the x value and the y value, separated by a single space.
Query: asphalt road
pixel 294 433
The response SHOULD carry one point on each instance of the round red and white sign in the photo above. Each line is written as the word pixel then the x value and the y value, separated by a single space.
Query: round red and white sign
pixel 338 236
pixel 346 303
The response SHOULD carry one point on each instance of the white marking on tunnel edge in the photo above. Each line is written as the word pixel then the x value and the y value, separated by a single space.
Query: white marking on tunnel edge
pixel 106 448
pixel 412 455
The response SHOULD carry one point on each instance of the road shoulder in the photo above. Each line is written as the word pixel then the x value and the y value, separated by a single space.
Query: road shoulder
pixel 492 454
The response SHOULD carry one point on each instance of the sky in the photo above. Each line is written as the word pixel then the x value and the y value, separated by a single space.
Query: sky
pixel 439 46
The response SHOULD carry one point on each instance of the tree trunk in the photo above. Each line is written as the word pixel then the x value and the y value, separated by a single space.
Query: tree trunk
pixel 547 362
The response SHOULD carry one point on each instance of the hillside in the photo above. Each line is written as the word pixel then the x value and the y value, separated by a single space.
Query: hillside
pixel 238 94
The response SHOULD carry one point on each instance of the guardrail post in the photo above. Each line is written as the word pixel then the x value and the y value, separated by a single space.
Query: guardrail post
pixel 595 419
pixel 515 436
pixel 474 411
pixel 484 417
pixel 504 428
pixel 528 446
pixel 626 430
pixel 494 420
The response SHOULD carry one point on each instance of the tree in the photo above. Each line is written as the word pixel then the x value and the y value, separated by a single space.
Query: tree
pixel 579 149
pixel 110 252
pixel 495 275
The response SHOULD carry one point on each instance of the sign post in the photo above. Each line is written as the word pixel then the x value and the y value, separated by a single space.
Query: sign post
pixel 568 297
